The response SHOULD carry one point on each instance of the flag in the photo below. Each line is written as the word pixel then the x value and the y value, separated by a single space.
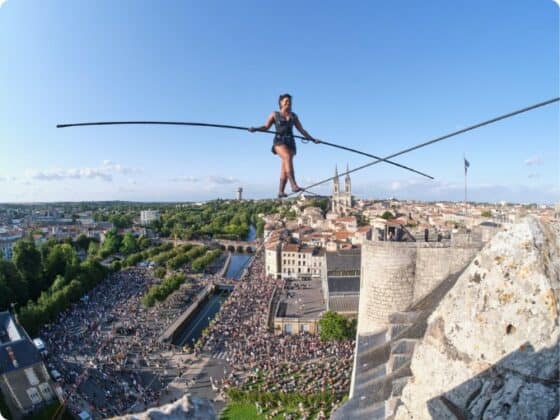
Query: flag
pixel 467 164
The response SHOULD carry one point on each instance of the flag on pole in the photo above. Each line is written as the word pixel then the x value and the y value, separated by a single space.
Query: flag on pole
pixel 467 164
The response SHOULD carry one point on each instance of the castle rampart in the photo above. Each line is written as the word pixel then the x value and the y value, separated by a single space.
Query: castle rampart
pixel 396 274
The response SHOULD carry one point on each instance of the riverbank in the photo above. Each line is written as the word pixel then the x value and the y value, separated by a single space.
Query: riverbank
pixel 169 335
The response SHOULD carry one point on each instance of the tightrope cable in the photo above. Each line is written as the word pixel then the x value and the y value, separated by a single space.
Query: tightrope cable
pixel 438 139
pixel 237 127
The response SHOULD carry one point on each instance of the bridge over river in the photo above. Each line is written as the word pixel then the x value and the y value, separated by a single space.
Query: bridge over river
pixel 230 245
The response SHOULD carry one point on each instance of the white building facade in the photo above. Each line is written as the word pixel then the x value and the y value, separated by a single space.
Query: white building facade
pixel 7 242
pixel 148 216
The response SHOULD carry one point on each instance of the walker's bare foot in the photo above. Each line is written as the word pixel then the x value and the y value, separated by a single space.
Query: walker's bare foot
pixel 297 189
pixel 282 195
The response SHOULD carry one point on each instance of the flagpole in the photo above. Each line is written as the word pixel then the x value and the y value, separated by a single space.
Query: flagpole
pixel 465 164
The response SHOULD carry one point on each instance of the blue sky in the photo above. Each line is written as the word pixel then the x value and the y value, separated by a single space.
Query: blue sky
pixel 375 76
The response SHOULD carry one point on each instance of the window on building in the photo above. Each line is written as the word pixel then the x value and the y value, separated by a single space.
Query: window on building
pixel 46 390
pixel 31 376
pixel 34 395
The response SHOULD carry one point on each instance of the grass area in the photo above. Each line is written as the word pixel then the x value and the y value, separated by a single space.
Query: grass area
pixel 242 405
pixel 248 411
pixel 240 411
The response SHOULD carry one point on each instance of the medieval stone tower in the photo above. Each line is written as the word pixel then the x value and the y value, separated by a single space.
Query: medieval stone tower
pixel 342 200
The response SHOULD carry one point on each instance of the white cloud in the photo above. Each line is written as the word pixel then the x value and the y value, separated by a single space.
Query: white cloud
pixel 212 179
pixel 455 191
pixel 105 173
pixel 117 168
pixel 534 160
pixel 185 179
pixel 534 175
pixel 222 180
pixel 61 174
pixel 2 2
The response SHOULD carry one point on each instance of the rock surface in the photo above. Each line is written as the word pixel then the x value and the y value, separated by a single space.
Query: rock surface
pixel 491 349
pixel 186 408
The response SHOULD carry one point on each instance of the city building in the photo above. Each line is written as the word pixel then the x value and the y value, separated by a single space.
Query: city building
pixel 148 216
pixel 272 259
pixel 8 238
pixel 341 281
pixel 25 383
pixel 299 308
pixel 301 262
pixel 239 194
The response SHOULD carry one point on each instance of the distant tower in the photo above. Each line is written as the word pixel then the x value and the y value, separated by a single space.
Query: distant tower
pixel 347 190
pixel 341 200
pixel 336 191
pixel 239 194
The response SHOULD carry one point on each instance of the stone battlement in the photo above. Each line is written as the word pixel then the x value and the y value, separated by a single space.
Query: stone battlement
pixel 396 274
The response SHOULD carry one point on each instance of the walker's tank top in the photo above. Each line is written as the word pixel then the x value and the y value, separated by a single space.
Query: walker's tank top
pixel 284 134
pixel 283 126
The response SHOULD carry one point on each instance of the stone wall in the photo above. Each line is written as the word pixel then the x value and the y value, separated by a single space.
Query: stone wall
pixel 387 281
pixel 435 262
pixel 396 274
pixel 492 345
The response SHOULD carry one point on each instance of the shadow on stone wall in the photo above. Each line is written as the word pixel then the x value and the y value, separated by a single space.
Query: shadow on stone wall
pixel 523 385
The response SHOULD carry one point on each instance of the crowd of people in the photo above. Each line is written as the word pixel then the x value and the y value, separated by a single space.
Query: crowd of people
pixel 261 359
pixel 107 349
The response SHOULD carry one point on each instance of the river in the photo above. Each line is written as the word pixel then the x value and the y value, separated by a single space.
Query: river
pixel 239 261
pixel 211 306
pixel 205 313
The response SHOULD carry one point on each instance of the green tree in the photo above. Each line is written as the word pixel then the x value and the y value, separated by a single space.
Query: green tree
pixel 27 260
pixel 116 266
pixel 260 228
pixel 111 244
pixel 362 220
pixel 129 244
pixel 6 294
pixel 11 278
pixel 144 242
pixel 82 242
pixel 387 215
pixel 333 326
pixel 58 283
pixel 121 221
pixel 61 260
pixel 93 249
pixel 12 287
pixel 486 213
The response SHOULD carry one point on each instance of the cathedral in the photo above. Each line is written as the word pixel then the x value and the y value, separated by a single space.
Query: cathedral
pixel 342 200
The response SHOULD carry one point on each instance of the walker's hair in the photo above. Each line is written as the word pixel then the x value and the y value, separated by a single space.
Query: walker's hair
pixel 284 95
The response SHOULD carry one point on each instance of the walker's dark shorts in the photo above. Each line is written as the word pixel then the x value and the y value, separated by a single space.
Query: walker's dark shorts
pixel 289 142
pixel 284 132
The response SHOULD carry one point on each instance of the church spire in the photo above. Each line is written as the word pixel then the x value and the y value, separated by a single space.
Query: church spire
pixel 335 180
pixel 347 182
